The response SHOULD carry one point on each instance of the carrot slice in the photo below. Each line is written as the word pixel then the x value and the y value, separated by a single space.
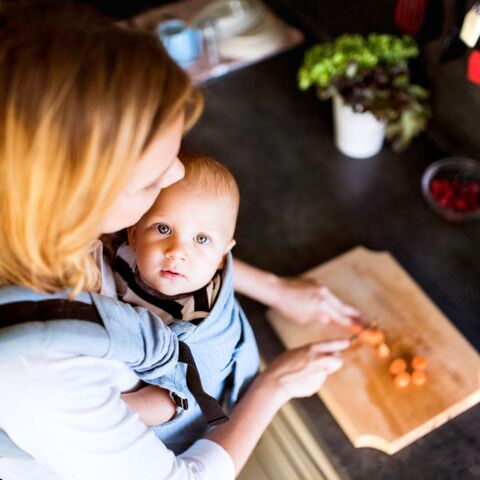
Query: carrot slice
pixel 399 365
pixel 419 377
pixel 356 328
pixel 372 337
pixel 383 350
pixel 402 380
pixel 419 363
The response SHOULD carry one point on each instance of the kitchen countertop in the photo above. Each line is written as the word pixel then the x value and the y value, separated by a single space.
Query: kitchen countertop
pixel 302 203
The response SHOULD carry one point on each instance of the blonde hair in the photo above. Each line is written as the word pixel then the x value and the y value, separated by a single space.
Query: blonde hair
pixel 81 99
pixel 207 174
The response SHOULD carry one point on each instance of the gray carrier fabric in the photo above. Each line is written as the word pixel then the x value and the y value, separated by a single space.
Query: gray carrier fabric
pixel 223 347
pixel 131 335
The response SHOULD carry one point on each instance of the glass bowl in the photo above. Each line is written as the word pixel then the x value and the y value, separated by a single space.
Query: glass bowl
pixel 451 187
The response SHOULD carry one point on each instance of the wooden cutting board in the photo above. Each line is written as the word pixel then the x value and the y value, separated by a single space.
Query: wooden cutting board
pixel 361 396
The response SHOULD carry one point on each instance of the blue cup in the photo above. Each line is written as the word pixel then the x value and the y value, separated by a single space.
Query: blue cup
pixel 183 43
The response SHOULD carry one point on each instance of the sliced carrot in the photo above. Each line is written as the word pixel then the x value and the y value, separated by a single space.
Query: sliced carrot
pixel 419 362
pixel 372 337
pixel 402 380
pixel 419 377
pixel 356 328
pixel 399 365
pixel 383 350
pixel 380 337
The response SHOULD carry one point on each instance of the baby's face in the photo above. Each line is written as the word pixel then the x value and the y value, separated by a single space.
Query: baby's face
pixel 182 240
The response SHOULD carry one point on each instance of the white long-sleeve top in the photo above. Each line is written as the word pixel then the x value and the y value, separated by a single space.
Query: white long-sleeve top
pixel 65 410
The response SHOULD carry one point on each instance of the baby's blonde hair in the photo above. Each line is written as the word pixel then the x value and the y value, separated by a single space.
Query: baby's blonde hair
pixel 80 101
pixel 205 173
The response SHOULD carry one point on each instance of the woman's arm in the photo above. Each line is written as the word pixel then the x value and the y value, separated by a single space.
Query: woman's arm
pixel 296 373
pixel 65 411
pixel 298 298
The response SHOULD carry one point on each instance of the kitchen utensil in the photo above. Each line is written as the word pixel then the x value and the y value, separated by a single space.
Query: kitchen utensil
pixel 473 69
pixel 453 48
pixel 470 32
pixel 210 42
pixel 409 15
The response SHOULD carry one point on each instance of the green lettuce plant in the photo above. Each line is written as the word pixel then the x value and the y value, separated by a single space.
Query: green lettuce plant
pixel 371 74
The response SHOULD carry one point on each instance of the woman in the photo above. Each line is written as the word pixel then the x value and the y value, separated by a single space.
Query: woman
pixel 91 122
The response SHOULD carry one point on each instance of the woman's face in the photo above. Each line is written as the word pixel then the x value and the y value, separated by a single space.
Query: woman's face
pixel 157 168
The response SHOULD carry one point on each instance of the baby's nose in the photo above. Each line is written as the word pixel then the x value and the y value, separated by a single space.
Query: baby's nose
pixel 176 251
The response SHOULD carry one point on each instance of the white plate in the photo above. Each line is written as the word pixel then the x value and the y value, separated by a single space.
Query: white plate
pixel 229 21
pixel 265 38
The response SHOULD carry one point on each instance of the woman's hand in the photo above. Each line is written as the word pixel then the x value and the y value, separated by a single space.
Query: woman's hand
pixel 304 300
pixel 296 373
pixel 302 371
pixel 299 299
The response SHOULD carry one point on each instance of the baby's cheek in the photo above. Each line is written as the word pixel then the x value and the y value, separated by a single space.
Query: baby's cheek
pixel 147 258
pixel 212 264
pixel 197 270
pixel 153 249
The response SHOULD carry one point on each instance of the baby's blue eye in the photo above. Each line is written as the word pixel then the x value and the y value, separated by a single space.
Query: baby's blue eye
pixel 202 239
pixel 162 228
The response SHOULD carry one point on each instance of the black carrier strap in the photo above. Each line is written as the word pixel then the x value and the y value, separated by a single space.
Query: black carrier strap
pixel 60 309
pixel 123 269
pixel 209 405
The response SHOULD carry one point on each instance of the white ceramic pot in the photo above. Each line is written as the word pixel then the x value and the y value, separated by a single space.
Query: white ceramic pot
pixel 357 135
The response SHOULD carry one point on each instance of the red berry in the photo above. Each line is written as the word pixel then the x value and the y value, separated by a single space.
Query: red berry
pixel 458 195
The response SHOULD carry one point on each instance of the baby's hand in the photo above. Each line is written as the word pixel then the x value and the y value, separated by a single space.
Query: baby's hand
pixel 152 403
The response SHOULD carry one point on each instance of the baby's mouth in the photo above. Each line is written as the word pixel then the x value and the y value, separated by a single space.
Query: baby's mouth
pixel 171 274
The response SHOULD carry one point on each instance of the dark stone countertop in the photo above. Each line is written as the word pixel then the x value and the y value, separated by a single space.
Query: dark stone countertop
pixel 303 203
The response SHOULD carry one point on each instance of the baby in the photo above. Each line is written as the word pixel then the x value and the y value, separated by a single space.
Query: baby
pixel 177 263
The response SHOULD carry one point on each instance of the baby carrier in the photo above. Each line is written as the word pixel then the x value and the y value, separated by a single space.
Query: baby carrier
pixel 99 326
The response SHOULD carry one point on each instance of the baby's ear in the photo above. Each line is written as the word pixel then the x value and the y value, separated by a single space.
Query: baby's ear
pixel 224 258
pixel 131 231
pixel 231 245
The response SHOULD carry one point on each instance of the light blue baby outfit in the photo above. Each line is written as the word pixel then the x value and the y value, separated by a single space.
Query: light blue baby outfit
pixel 225 351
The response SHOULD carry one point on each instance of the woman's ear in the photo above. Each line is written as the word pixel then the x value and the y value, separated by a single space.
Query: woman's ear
pixel 131 231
